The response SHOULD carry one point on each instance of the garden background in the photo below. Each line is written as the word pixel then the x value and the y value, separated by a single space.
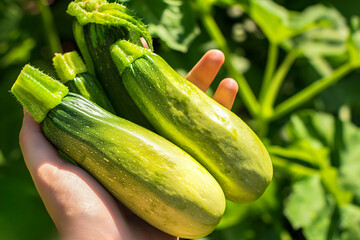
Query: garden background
pixel 297 64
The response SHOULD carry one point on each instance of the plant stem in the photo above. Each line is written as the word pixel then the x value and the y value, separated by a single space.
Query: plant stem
pixel 274 86
pixel 312 90
pixel 321 65
pixel 262 127
pixel 291 167
pixel 49 26
pixel 269 70
pixel 291 154
pixel 244 88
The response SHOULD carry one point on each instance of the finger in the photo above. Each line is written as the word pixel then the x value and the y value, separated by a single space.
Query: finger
pixel 226 92
pixel 33 141
pixel 144 43
pixel 204 72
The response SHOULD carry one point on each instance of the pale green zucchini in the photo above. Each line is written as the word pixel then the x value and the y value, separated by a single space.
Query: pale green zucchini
pixel 182 113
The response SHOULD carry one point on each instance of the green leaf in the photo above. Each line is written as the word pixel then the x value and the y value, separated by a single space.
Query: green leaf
pixel 348 150
pixel 308 208
pixel 317 128
pixel 173 21
pixel 320 226
pixel 278 23
pixel 325 41
pixel 242 3
pixel 307 133
pixel 305 152
pixel 304 203
pixel 342 139
pixel 349 222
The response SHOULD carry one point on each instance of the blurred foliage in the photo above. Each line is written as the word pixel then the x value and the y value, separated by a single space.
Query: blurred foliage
pixel 314 141
pixel 172 21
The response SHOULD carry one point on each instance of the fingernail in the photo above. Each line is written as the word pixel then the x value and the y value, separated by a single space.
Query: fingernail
pixel 144 43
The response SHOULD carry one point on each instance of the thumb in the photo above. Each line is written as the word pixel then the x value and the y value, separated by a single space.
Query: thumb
pixel 34 146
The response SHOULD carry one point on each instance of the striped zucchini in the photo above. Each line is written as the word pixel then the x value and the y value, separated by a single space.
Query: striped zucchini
pixel 151 176
pixel 73 73
pixel 98 25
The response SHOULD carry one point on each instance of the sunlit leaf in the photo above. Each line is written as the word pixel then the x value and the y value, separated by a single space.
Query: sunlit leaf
pixel 348 148
pixel 173 21
pixel 320 226
pixel 309 209
pixel 317 128
pixel 349 222
pixel 242 3
pixel 324 41
pixel 305 202
pixel 306 135
pixel 343 140
pixel 303 150
pixel 278 23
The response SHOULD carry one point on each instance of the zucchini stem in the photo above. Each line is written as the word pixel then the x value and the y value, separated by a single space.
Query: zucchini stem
pixel 312 90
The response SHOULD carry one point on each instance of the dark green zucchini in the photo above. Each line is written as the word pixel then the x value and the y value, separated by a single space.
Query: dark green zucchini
pixel 97 26
pixel 182 113
pixel 151 176
pixel 73 73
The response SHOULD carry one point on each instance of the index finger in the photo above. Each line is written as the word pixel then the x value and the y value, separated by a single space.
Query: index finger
pixel 204 72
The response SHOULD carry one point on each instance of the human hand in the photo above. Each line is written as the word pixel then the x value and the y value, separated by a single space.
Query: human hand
pixel 79 205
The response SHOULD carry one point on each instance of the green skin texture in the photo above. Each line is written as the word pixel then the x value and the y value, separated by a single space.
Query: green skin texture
pixel 86 85
pixel 151 176
pixel 74 74
pixel 98 25
pixel 98 40
pixel 212 134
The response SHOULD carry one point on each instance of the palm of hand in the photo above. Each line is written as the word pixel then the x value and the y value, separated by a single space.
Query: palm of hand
pixel 79 206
